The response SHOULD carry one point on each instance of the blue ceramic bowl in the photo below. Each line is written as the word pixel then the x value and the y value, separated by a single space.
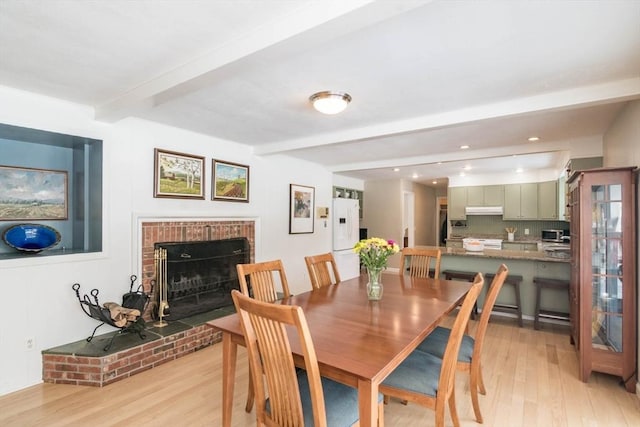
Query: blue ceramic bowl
pixel 31 238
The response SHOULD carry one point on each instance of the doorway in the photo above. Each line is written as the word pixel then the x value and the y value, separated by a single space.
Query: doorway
pixel 408 219
pixel 442 222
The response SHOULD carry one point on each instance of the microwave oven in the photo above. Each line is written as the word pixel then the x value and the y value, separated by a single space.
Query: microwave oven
pixel 553 236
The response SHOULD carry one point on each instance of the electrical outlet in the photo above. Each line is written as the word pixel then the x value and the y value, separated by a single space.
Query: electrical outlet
pixel 31 343
pixel 526 231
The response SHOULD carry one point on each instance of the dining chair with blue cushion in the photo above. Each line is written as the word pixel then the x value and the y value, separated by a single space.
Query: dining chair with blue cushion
pixel 430 380
pixel 469 356
pixel 421 262
pixel 265 281
pixel 286 396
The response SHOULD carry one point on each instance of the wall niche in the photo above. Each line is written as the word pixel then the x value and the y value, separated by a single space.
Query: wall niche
pixel 81 159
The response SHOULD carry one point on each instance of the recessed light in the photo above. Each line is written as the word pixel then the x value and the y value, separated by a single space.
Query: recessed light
pixel 434 182
pixel 519 170
pixel 396 169
pixel 414 176
pixel 467 167
pixel 462 174
pixel 464 147
pixel 534 139
pixel 439 163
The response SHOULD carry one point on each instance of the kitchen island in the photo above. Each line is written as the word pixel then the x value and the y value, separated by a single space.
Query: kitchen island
pixel 528 264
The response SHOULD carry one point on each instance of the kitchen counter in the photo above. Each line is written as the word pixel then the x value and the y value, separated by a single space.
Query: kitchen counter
pixel 506 254
pixel 528 264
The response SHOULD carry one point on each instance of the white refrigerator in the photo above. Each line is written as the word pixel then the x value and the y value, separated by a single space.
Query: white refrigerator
pixel 346 233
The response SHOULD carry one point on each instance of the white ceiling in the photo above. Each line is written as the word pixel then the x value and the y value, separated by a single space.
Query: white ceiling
pixel 426 76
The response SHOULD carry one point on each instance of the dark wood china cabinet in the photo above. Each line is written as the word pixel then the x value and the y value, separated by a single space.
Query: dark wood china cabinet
pixel 603 276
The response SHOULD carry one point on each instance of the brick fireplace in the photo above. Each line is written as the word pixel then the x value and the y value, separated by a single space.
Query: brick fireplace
pixel 83 363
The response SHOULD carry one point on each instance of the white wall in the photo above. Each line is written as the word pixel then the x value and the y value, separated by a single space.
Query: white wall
pixel 37 290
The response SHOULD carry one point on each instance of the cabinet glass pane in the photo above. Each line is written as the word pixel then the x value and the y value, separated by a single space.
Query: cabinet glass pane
pixel 606 260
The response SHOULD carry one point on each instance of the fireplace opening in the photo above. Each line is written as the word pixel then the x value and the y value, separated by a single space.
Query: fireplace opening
pixel 200 275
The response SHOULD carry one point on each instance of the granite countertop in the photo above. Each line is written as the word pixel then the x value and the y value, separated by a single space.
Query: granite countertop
pixel 458 238
pixel 504 254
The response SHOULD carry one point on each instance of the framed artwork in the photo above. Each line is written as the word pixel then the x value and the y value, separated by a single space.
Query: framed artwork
pixel 230 181
pixel 178 175
pixel 301 208
pixel 29 194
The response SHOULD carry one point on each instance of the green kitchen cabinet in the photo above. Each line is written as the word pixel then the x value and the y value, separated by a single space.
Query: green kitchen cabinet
pixel 548 200
pixel 521 201
pixel 485 195
pixel 457 201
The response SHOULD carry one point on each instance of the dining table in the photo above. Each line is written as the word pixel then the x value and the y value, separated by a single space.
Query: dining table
pixel 358 342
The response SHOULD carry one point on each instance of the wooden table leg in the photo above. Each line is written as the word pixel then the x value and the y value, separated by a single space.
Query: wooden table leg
pixel 229 353
pixel 367 403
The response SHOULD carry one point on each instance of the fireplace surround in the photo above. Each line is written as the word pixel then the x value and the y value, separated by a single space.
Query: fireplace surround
pixel 154 233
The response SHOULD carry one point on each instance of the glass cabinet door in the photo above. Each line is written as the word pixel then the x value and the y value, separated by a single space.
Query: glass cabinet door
pixel 606 256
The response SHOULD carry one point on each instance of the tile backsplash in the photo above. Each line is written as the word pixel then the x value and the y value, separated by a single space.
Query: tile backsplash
pixel 493 225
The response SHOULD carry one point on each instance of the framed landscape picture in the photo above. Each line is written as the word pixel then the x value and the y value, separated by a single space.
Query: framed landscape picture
pixel 230 181
pixel 30 194
pixel 301 208
pixel 178 175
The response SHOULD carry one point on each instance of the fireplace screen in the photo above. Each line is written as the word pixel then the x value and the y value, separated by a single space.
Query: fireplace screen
pixel 200 275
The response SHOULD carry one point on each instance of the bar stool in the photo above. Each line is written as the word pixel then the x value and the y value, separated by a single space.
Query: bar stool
pixel 513 280
pixel 546 283
pixel 466 276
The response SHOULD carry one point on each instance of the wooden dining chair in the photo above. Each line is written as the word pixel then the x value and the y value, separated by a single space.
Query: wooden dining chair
pixel 427 379
pixel 295 397
pixel 420 260
pixel 263 288
pixel 261 280
pixel 323 270
pixel 469 356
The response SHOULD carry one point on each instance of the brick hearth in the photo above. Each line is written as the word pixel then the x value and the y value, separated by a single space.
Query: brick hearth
pixel 86 363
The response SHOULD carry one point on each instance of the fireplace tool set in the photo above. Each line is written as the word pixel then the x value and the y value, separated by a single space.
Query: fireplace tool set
pixel 126 316
pixel 160 261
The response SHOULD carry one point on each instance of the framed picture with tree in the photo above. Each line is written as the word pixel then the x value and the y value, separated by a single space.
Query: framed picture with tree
pixel 178 175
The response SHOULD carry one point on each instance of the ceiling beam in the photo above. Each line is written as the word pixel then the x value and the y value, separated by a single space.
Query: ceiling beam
pixel 554 101
pixel 332 18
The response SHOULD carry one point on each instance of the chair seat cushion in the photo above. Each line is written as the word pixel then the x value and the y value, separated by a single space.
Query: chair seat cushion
pixel 419 373
pixel 437 340
pixel 340 401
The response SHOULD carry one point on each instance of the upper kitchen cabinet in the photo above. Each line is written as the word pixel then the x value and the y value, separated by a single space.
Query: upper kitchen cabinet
pixel 521 201
pixel 486 195
pixel 548 200
pixel 456 202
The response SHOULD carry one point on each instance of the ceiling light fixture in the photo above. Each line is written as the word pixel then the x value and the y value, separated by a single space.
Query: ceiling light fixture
pixel 329 102
pixel 534 139
pixel 464 147
pixel 396 169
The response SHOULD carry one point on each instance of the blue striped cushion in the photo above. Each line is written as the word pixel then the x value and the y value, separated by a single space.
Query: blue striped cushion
pixel 340 401
pixel 419 373
pixel 437 340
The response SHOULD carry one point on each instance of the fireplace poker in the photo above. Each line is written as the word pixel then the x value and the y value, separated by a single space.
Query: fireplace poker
pixel 160 258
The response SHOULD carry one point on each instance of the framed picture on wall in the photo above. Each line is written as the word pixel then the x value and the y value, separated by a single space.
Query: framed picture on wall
pixel 230 181
pixel 178 175
pixel 30 194
pixel 301 208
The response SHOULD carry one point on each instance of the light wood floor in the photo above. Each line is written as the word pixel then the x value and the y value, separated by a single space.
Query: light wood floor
pixel 531 379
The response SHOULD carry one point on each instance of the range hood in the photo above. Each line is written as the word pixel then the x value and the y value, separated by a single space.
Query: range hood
pixel 483 210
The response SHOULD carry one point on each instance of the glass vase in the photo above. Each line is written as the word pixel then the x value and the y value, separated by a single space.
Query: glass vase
pixel 374 286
